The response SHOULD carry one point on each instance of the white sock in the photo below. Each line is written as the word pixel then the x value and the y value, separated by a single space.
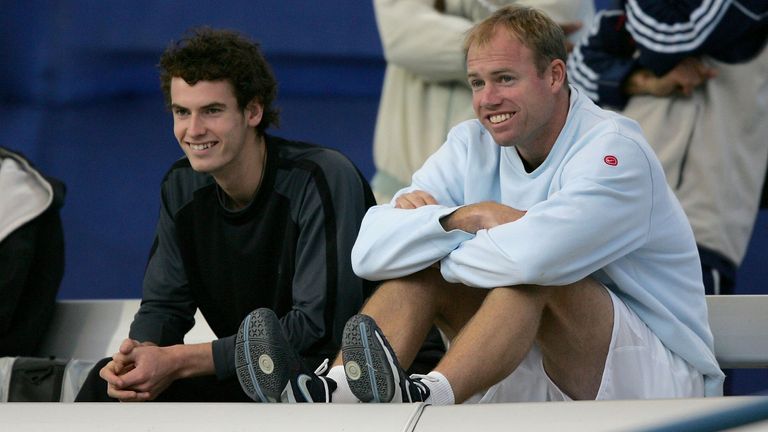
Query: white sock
pixel 440 391
pixel 343 393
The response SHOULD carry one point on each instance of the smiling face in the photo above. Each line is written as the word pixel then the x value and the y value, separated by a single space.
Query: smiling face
pixel 218 137
pixel 519 105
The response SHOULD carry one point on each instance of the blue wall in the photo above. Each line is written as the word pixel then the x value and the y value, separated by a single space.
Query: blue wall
pixel 80 98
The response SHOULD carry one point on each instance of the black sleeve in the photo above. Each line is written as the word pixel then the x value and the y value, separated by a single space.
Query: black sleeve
pixel 668 32
pixel 601 62
pixel 326 292
pixel 167 307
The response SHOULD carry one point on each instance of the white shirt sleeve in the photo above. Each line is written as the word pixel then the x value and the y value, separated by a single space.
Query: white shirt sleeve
pixel 397 242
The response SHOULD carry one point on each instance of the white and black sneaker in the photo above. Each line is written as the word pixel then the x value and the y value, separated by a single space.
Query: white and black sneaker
pixel 310 386
pixel 371 366
pixel 268 368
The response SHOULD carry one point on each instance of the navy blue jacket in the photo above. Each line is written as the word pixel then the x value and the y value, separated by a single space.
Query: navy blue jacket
pixel 657 35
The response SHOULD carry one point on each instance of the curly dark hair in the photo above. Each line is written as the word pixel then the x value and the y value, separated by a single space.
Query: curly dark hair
pixel 207 54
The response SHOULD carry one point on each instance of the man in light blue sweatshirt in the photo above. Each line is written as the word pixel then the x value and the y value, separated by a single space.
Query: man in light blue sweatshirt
pixel 542 239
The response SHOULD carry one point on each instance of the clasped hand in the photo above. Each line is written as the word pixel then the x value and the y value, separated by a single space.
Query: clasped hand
pixel 682 79
pixel 138 371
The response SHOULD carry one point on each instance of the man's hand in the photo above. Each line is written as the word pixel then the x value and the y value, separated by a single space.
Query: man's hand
pixel 112 371
pixel 138 371
pixel 415 199
pixel 483 215
pixel 141 371
pixel 682 79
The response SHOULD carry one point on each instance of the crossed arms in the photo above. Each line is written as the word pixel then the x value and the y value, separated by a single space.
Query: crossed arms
pixel 472 218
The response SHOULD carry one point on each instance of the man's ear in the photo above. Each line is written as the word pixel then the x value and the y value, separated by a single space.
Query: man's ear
pixel 557 74
pixel 253 112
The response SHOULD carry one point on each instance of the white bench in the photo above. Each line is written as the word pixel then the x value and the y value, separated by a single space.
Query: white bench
pixel 582 416
pixel 85 331
pixel 740 326
pixel 93 329
pixel 89 330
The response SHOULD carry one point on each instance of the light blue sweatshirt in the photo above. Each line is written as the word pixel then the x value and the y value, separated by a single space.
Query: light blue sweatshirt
pixel 599 205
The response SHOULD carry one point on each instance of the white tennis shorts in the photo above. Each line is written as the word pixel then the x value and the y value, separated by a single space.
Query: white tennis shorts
pixel 638 366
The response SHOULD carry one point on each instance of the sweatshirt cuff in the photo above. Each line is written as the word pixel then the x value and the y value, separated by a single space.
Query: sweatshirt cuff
pixel 224 357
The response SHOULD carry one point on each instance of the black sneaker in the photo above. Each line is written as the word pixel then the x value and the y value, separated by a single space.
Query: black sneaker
pixel 310 386
pixel 268 368
pixel 371 366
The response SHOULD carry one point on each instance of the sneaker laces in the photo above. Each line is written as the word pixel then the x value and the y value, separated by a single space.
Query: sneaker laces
pixel 322 368
pixel 329 385
pixel 310 386
pixel 417 380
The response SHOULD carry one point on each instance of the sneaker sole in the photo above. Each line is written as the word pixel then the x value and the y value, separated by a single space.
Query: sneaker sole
pixel 369 373
pixel 261 358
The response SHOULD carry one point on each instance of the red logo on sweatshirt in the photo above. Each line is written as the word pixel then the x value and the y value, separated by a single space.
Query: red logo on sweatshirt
pixel 611 160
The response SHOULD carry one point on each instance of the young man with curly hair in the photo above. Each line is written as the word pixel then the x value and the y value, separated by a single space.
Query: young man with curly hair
pixel 248 220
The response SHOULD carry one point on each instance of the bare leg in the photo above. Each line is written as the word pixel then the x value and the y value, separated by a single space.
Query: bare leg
pixel 494 342
pixel 572 324
pixel 405 309
pixel 574 337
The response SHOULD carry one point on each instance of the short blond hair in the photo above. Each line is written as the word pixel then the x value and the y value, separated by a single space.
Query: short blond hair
pixel 531 27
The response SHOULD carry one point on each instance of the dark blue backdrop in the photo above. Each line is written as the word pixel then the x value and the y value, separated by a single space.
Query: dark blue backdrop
pixel 80 98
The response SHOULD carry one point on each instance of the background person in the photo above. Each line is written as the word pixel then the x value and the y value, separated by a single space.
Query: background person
pixel 31 253
pixel 695 76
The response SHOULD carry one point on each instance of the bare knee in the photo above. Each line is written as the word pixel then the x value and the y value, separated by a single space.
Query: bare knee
pixel 450 305
pixel 420 286
pixel 578 303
